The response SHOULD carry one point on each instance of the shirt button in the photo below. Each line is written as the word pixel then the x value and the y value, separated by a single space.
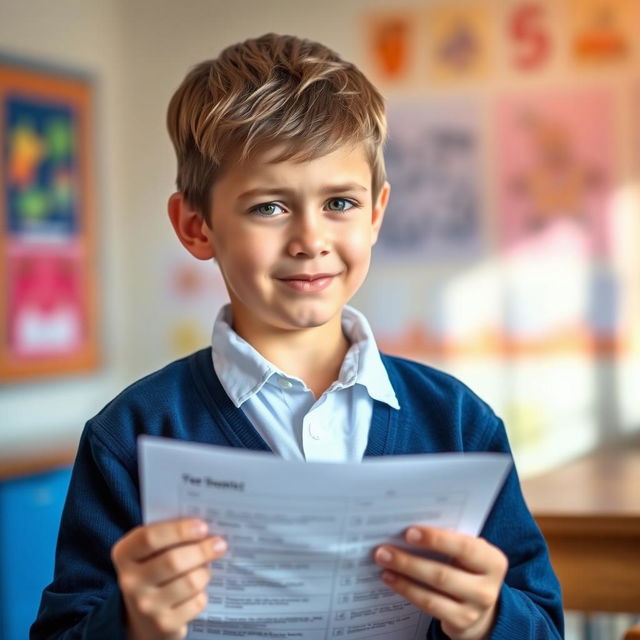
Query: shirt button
pixel 314 431
pixel 284 383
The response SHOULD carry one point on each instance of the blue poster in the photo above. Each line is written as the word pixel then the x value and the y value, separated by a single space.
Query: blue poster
pixel 41 167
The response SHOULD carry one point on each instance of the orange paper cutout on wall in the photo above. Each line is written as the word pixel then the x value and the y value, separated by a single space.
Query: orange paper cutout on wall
pixel 601 30
pixel 390 42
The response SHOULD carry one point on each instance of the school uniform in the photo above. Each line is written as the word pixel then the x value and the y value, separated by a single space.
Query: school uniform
pixel 229 395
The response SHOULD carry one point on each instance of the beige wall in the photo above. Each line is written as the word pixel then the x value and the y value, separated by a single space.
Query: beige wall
pixel 84 36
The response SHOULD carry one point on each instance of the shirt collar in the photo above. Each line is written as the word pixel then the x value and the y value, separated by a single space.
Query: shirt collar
pixel 243 371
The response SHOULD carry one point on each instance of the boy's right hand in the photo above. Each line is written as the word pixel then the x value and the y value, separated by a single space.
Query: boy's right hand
pixel 163 574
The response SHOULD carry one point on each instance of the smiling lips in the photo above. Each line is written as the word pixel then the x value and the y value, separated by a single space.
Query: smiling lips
pixel 308 283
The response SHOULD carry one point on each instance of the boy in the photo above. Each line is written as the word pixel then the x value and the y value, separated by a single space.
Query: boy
pixel 281 180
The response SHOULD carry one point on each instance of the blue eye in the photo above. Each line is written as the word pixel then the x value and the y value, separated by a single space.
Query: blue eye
pixel 344 201
pixel 266 210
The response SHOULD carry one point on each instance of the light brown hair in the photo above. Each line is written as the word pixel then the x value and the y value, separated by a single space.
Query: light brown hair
pixel 265 91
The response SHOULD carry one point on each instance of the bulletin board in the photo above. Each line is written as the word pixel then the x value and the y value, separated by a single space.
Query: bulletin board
pixel 48 285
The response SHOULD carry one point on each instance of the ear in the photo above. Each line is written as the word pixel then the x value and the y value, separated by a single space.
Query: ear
pixel 191 228
pixel 378 211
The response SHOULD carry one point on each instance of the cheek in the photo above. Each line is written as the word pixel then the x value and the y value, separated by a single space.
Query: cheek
pixel 242 270
pixel 249 269
pixel 357 247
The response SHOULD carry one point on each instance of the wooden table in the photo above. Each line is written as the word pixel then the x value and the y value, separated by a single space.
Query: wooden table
pixel 589 513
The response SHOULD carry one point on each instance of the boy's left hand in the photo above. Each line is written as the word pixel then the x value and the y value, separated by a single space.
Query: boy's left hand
pixel 463 595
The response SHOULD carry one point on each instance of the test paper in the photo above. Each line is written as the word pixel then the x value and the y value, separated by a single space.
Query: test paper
pixel 301 535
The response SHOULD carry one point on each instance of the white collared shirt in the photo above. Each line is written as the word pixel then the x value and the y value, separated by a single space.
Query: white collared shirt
pixel 284 411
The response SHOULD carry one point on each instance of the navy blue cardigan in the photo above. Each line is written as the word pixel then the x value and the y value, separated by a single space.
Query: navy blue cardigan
pixel 185 400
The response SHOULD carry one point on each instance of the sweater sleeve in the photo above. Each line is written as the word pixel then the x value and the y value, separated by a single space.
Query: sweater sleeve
pixel 83 601
pixel 529 603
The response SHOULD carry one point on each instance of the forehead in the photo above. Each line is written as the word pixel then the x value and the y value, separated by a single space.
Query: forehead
pixel 344 164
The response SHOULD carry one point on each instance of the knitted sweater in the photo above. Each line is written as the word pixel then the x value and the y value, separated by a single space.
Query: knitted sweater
pixel 185 400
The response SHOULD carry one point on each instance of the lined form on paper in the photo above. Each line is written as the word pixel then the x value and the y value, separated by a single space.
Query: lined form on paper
pixel 301 535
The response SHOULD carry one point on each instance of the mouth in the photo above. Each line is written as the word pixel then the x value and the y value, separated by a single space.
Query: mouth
pixel 307 282
pixel 310 277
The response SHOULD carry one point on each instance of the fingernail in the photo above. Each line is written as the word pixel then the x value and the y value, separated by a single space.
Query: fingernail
pixel 201 528
pixel 414 535
pixel 219 545
pixel 383 555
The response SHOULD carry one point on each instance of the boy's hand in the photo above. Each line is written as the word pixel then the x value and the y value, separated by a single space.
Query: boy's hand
pixel 463 594
pixel 163 574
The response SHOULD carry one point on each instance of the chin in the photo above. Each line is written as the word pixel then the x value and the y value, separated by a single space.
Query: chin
pixel 308 319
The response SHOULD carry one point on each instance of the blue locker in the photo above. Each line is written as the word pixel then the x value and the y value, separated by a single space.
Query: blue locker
pixel 30 509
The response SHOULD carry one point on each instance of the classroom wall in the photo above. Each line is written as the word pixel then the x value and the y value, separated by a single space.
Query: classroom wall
pixel 138 52
pixel 87 38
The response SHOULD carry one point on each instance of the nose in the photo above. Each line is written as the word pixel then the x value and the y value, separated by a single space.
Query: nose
pixel 310 237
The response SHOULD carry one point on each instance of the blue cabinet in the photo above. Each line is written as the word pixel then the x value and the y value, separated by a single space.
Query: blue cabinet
pixel 30 509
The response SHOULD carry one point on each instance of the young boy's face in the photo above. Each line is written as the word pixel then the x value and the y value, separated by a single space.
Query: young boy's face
pixel 293 239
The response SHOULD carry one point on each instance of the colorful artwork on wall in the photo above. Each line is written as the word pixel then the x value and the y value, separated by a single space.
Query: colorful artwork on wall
pixel 555 167
pixel 459 41
pixel 543 318
pixel 391 41
pixel 602 30
pixel 529 37
pixel 433 164
pixel 48 315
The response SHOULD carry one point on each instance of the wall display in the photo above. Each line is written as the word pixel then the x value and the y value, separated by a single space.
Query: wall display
pixel 602 30
pixel 433 164
pixel 529 36
pixel 555 168
pixel 459 41
pixel 48 322
pixel 533 299
pixel 391 43
pixel 46 306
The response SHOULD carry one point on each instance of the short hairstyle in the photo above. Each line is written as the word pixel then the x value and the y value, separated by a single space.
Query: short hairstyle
pixel 275 89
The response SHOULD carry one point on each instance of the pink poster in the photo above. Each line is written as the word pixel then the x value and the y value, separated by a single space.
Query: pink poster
pixel 45 305
pixel 555 172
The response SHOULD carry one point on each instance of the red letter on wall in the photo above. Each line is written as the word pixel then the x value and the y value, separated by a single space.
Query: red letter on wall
pixel 531 39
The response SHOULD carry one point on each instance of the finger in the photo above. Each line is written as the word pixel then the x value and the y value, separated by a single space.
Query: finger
pixel 449 580
pixel 169 565
pixel 185 587
pixel 145 541
pixel 175 619
pixel 468 552
pixel 451 613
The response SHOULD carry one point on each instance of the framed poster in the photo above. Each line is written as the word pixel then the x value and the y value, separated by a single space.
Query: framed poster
pixel 556 170
pixel 48 299
pixel 433 161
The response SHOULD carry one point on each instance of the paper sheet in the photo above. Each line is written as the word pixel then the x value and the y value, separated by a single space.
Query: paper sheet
pixel 301 535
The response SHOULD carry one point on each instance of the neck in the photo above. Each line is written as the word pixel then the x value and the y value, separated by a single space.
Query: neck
pixel 314 355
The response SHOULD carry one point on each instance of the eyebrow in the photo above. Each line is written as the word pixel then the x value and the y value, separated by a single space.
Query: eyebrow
pixel 276 191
